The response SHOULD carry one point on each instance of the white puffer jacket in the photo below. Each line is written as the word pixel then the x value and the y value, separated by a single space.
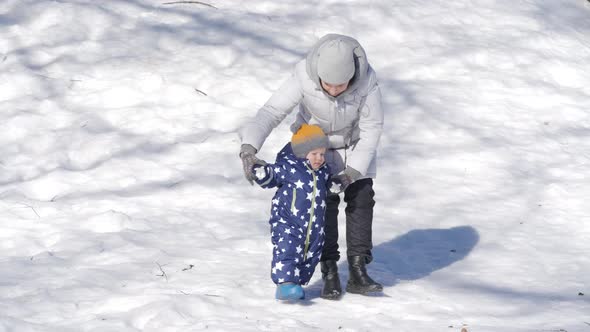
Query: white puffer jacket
pixel 353 121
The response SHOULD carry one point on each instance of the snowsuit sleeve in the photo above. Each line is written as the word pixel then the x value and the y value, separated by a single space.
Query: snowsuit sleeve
pixel 370 125
pixel 278 106
pixel 275 175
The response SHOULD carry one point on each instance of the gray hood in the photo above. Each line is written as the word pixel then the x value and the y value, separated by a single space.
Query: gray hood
pixel 360 61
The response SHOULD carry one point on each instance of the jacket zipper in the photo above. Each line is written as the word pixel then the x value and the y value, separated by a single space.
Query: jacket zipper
pixel 334 115
pixel 311 214
pixel 294 199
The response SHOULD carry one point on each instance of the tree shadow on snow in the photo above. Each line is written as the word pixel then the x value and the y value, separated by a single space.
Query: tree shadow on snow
pixel 411 256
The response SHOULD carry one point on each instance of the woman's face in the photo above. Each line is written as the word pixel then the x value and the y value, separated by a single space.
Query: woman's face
pixel 334 90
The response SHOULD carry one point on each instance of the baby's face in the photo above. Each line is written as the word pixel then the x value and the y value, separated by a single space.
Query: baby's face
pixel 316 158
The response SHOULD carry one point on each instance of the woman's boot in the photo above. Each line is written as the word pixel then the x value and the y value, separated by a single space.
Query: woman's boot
pixel 359 281
pixel 332 289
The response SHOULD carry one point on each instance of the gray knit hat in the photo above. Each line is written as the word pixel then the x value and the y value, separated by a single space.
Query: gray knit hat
pixel 308 138
pixel 336 62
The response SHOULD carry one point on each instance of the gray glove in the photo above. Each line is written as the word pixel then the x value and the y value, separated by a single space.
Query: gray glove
pixel 249 160
pixel 342 180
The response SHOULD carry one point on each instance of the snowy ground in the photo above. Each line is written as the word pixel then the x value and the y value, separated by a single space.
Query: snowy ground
pixel 123 206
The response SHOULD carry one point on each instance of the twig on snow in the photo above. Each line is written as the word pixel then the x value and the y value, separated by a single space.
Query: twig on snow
pixel 201 92
pixel 193 2
pixel 189 267
pixel 163 273
pixel 32 208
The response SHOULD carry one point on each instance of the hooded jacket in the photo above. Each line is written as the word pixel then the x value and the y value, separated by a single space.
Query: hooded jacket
pixel 353 121
pixel 297 215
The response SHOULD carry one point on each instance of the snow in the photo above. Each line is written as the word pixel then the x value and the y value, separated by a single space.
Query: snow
pixel 123 206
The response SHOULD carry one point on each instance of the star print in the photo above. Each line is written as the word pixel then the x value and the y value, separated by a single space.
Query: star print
pixel 298 249
pixel 299 184
pixel 296 272
pixel 279 266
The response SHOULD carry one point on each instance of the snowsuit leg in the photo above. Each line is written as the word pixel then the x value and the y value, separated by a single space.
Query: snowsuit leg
pixel 359 198
pixel 314 254
pixel 285 257
pixel 288 263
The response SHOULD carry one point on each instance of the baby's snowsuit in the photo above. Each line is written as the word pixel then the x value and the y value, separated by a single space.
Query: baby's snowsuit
pixel 297 216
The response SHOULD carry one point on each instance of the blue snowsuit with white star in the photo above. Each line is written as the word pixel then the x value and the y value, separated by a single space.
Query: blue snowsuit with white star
pixel 297 216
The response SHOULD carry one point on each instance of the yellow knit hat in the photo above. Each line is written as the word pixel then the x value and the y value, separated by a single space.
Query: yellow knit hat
pixel 307 138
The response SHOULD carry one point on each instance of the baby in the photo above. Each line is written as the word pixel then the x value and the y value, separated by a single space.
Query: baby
pixel 301 177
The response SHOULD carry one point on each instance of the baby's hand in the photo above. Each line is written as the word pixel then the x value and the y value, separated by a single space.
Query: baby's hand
pixel 260 172
pixel 335 186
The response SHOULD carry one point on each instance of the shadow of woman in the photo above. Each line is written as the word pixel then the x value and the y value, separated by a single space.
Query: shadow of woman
pixel 412 256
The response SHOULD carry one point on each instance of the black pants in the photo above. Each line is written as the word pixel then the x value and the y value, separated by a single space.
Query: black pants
pixel 359 221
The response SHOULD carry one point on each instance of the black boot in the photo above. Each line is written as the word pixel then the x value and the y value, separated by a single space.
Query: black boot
pixel 332 289
pixel 359 281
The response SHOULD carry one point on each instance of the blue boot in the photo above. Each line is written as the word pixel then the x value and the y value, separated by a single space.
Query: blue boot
pixel 289 291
